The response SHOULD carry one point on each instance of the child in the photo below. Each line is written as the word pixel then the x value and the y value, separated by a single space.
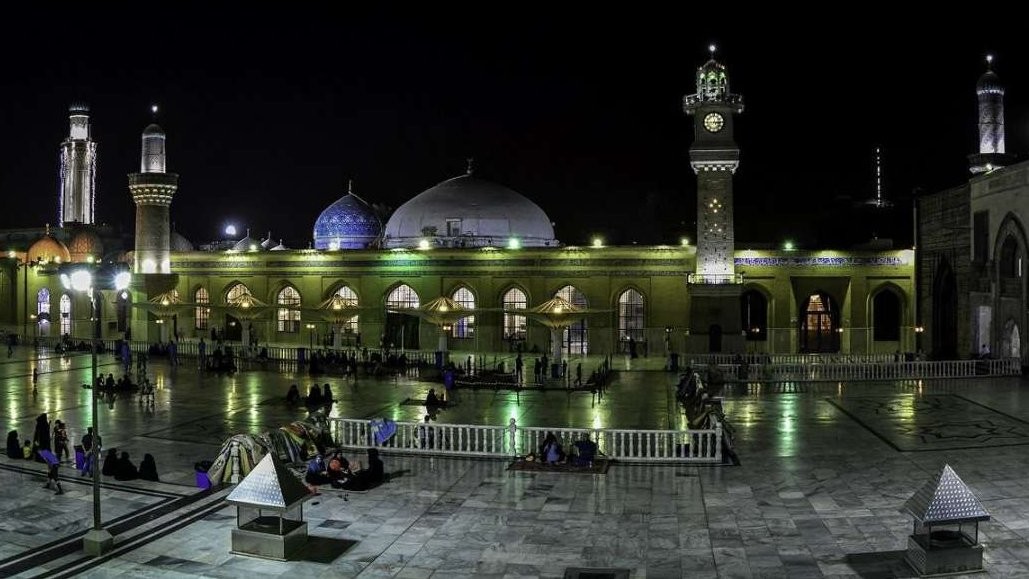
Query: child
pixel 52 476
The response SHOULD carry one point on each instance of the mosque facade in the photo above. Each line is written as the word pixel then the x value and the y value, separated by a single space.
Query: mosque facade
pixel 488 248
pixel 973 245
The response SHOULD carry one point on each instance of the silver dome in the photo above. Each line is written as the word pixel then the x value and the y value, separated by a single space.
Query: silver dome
pixel 469 212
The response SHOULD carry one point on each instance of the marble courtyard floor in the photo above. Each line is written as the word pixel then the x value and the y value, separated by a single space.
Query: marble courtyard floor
pixel 824 471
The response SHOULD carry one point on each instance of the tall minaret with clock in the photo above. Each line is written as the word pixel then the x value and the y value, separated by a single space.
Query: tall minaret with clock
pixel 714 156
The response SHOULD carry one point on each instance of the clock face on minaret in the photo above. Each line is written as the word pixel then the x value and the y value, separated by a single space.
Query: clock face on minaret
pixel 713 122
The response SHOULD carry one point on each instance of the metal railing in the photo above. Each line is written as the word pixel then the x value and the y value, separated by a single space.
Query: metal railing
pixel 764 358
pixel 870 371
pixel 714 278
pixel 688 446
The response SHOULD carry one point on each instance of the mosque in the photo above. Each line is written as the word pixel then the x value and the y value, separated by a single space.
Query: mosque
pixel 485 246
pixel 972 246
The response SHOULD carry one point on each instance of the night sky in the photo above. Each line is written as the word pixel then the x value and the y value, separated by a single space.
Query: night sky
pixel 268 113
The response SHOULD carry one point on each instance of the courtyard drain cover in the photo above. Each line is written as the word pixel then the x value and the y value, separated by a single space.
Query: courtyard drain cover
pixel 594 573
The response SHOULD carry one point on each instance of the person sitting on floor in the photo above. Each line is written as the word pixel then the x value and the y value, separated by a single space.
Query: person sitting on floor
pixel 26 450
pixel 314 398
pixel 585 451
pixel 327 399
pixel 338 469
pixel 370 477
pixel 110 463
pixel 293 396
pixel 431 399
pixel 125 470
pixel 148 468
pixel 13 448
pixel 552 453
pixel 316 474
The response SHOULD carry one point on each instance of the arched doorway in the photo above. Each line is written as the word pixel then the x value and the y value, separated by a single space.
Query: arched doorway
pixel 631 322
pixel 886 316
pixel 1011 345
pixel 714 338
pixel 465 327
pixel 754 315
pixel 43 312
pixel 233 329
pixel 574 339
pixel 401 329
pixel 818 325
pixel 514 325
pixel 945 314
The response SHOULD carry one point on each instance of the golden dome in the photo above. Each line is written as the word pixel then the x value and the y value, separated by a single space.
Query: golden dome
pixel 85 244
pixel 48 249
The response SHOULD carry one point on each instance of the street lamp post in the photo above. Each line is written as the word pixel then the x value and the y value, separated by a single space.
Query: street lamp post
pixel 26 264
pixel 97 540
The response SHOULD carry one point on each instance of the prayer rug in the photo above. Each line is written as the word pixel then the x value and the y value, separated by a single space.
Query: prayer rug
pixel 599 467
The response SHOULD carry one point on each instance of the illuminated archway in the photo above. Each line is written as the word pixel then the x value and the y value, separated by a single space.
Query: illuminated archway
pixel 349 300
pixel 288 312
pixel 401 329
pixel 575 338
pixel 65 315
pixel 819 324
pixel 465 327
pixel 514 325
pixel 202 312
pixel 631 316
pixel 43 311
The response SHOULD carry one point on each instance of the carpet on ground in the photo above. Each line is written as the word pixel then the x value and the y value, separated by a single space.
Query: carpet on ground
pixel 599 467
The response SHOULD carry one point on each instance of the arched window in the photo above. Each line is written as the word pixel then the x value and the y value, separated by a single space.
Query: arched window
pixel 43 302
pixel 886 317
pixel 754 315
pixel 465 327
pixel 65 314
pixel 818 329
pixel 236 292
pixel 289 310
pixel 349 300
pixel 402 297
pixel 401 329
pixel 630 315
pixel 514 325
pixel 575 340
pixel 202 313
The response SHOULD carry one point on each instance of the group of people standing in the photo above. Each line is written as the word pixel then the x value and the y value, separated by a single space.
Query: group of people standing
pixel 49 444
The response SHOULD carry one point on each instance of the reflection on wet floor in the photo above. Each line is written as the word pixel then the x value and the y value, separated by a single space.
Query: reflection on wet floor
pixel 824 469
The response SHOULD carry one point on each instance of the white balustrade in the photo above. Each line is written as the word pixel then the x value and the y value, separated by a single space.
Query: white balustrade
pixel 696 446
pixel 869 371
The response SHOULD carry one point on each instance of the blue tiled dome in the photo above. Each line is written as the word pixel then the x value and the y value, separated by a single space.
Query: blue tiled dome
pixel 349 223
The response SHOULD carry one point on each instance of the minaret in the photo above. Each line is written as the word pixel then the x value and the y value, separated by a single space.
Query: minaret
pixel 990 94
pixel 78 171
pixel 714 287
pixel 152 190
pixel 714 157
